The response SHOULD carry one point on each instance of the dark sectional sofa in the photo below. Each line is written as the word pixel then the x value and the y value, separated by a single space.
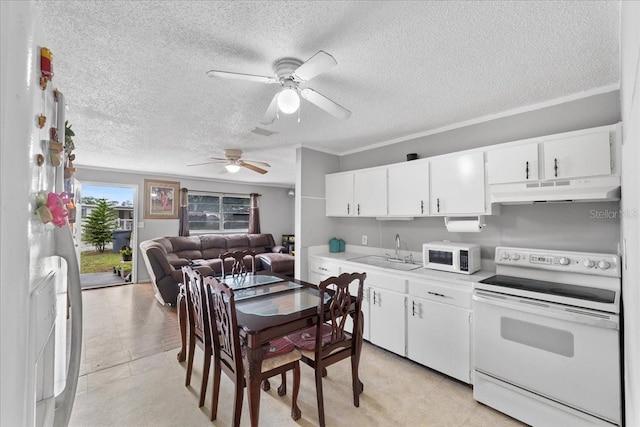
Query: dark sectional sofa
pixel 164 257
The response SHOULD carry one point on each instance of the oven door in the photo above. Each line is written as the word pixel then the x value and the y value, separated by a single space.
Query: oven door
pixel 569 355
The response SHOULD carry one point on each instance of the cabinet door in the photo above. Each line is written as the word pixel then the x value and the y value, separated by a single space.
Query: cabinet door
pixel 408 189
pixel 370 192
pixel 580 156
pixel 339 194
pixel 387 320
pixel 457 184
pixel 513 164
pixel 438 336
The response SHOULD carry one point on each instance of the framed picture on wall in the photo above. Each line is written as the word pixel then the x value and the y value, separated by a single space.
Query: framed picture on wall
pixel 161 199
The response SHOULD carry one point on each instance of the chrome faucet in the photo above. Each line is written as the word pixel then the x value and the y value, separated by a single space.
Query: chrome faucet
pixel 397 246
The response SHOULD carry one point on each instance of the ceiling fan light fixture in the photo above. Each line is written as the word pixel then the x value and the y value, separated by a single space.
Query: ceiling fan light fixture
pixel 288 101
pixel 232 167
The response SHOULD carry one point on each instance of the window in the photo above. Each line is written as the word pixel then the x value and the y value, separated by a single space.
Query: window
pixel 211 213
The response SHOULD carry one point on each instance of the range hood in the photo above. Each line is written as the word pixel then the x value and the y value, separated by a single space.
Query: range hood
pixel 596 189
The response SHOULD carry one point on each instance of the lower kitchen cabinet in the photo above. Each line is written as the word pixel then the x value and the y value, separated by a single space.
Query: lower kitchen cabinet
pixel 387 319
pixel 438 337
pixel 439 327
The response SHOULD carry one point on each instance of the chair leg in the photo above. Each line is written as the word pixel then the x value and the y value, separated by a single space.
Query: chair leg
pixel 356 384
pixel 318 373
pixel 192 349
pixel 205 377
pixel 237 408
pixel 282 390
pixel 295 410
pixel 216 388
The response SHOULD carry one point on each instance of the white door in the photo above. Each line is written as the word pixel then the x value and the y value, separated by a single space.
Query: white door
pixel 370 192
pixel 438 336
pixel 580 156
pixel 387 320
pixel 513 164
pixel 408 189
pixel 339 194
pixel 457 184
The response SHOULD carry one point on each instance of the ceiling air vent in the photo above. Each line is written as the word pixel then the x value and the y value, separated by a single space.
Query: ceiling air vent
pixel 263 132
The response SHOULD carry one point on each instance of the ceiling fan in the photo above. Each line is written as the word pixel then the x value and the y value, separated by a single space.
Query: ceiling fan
pixel 233 162
pixel 290 73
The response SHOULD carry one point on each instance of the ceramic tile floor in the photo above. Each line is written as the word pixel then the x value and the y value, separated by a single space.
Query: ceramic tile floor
pixel 130 377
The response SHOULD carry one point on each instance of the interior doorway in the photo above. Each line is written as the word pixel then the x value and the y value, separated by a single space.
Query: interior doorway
pixel 105 260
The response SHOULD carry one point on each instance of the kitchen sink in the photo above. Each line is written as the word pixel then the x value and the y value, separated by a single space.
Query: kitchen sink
pixel 380 261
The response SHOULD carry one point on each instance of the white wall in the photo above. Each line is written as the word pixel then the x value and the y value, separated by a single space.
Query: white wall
pixel 630 205
pixel 313 227
pixel 276 207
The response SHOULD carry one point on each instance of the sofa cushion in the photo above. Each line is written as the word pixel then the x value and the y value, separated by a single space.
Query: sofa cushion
pixel 277 263
pixel 186 247
pixel 236 242
pixel 260 243
pixel 212 245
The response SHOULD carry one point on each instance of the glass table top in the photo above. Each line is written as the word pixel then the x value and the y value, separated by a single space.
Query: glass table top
pixel 278 299
pixel 249 280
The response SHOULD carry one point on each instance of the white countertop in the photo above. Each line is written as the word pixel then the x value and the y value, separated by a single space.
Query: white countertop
pixel 418 273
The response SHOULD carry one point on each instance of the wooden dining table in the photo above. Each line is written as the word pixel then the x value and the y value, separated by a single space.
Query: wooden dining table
pixel 277 307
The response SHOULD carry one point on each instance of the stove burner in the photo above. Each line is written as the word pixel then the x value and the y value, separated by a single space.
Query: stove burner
pixel 552 288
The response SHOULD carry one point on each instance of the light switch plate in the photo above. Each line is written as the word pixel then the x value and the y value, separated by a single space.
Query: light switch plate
pixel 364 239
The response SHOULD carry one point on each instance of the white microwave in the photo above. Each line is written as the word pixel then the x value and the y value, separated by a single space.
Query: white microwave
pixel 451 256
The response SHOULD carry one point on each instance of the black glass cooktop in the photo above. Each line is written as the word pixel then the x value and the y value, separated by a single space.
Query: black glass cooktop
pixel 552 288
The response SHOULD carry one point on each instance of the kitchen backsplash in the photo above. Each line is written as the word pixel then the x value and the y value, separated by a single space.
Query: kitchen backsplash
pixel 589 227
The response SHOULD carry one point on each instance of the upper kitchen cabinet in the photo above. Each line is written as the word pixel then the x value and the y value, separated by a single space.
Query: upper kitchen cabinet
pixel 370 192
pixel 458 184
pixel 339 194
pixel 513 164
pixel 408 188
pixel 357 193
pixel 580 156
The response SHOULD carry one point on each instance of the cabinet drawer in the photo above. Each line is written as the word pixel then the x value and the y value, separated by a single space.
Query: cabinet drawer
pixel 441 292
pixel 382 281
pixel 323 267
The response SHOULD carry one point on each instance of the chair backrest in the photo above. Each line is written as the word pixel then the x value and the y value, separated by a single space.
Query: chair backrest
pixel 193 295
pixel 240 261
pixel 339 308
pixel 221 307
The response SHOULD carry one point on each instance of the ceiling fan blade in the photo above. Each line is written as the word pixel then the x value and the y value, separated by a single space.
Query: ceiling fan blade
pixel 252 167
pixel 317 64
pixel 272 111
pixel 260 163
pixel 200 164
pixel 241 76
pixel 325 103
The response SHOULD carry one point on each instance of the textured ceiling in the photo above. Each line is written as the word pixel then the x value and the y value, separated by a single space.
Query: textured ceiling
pixel 133 73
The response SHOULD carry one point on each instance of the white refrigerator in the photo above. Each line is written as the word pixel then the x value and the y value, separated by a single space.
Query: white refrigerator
pixel 40 298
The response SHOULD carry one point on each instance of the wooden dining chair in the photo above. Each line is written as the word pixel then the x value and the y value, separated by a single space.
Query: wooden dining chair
pixel 198 327
pixel 328 342
pixel 279 355
pixel 239 261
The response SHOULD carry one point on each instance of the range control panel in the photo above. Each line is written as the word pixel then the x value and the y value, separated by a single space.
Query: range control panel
pixel 575 262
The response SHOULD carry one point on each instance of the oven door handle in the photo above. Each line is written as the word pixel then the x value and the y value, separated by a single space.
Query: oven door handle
pixel 547 309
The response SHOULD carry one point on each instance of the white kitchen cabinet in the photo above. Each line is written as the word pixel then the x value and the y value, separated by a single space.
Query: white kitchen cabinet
pixel 387 319
pixel 579 156
pixel 339 194
pixel 518 163
pixel 358 193
pixel 321 269
pixel 438 336
pixel 439 327
pixel 458 184
pixel 370 192
pixel 408 188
